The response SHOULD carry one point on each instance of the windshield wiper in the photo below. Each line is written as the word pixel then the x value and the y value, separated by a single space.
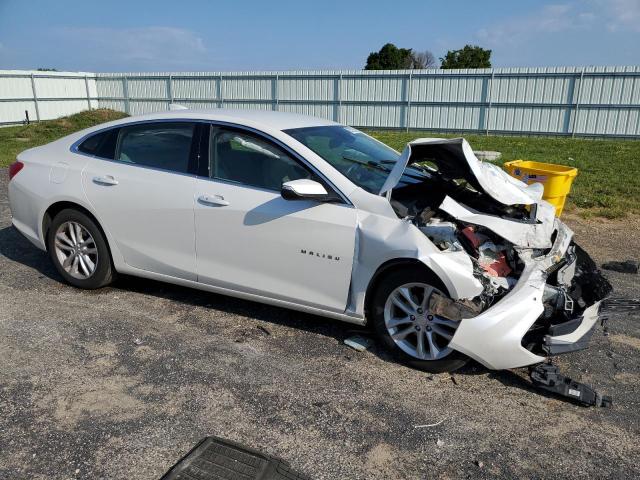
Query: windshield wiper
pixel 368 163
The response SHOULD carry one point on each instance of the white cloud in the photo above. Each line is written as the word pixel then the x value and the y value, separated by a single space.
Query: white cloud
pixel 570 32
pixel 621 14
pixel 139 48
pixel 585 18
pixel 549 19
pixel 554 18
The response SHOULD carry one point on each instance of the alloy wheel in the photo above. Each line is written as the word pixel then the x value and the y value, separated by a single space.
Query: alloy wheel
pixel 413 327
pixel 76 250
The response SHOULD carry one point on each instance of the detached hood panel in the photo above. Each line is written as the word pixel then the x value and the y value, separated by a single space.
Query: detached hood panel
pixel 455 159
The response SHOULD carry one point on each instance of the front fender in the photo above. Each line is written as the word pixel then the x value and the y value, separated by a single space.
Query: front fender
pixel 380 239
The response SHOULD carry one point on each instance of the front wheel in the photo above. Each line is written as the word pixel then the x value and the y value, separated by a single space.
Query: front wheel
pixel 404 324
pixel 79 250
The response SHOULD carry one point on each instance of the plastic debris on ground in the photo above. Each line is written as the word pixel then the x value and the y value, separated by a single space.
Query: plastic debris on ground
pixel 429 425
pixel 548 377
pixel 220 459
pixel 264 330
pixel 628 266
pixel 358 343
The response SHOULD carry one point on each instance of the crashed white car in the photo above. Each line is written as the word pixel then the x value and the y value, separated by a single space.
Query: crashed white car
pixel 445 256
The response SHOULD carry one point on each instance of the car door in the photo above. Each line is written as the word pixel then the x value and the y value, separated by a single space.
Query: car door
pixel 144 195
pixel 249 238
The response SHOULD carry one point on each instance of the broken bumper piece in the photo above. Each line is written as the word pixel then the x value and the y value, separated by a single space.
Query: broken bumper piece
pixel 514 332
pixel 573 335
pixel 547 377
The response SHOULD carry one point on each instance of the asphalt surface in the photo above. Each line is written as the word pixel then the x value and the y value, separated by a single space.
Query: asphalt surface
pixel 121 382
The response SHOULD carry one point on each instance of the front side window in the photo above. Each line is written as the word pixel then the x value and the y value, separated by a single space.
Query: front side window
pixel 249 160
pixel 362 159
pixel 163 145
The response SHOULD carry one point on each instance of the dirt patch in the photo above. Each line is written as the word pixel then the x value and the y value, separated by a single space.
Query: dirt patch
pixel 380 461
pixel 107 397
pixel 627 378
pixel 622 339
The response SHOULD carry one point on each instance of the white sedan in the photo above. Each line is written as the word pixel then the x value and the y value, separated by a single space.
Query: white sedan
pixel 445 256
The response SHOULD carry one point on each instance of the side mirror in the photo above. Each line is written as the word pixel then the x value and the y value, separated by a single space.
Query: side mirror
pixel 304 189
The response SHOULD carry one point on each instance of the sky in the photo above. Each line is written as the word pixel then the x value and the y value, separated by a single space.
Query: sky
pixel 199 35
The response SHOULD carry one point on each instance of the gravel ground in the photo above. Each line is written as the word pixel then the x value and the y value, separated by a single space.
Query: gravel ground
pixel 121 382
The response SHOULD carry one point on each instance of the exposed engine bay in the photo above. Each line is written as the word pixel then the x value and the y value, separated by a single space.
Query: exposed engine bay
pixel 508 232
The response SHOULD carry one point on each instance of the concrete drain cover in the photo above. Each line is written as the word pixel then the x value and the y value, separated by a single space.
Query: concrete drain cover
pixel 216 458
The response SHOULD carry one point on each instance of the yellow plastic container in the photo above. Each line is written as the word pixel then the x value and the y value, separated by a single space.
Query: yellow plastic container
pixel 557 179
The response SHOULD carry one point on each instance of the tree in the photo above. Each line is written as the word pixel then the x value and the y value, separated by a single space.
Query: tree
pixel 471 56
pixel 389 57
pixel 424 59
pixel 47 69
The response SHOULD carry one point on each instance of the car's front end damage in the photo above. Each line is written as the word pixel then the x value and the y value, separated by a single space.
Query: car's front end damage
pixel 547 305
pixel 540 293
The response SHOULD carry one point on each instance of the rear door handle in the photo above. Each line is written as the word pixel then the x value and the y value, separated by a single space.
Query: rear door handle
pixel 107 180
pixel 213 200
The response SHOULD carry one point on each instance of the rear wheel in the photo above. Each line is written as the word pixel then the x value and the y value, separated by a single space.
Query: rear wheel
pixel 403 322
pixel 79 250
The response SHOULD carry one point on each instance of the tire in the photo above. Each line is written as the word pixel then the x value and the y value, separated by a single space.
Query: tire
pixel 433 329
pixel 89 247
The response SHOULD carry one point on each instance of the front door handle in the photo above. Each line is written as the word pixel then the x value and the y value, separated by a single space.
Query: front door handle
pixel 107 180
pixel 213 200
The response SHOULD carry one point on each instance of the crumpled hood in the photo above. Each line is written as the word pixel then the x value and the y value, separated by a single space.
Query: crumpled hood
pixel 536 234
pixel 455 157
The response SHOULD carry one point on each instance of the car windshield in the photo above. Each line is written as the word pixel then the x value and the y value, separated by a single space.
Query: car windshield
pixel 362 159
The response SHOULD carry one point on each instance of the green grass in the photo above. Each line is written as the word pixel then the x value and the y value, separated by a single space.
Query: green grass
pixel 14 140
pixel 608 182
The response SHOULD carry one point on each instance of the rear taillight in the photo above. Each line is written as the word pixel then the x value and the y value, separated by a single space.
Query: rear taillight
pixel 14 168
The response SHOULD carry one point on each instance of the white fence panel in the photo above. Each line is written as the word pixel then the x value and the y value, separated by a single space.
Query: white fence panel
pixel 591 101
pixel 44 95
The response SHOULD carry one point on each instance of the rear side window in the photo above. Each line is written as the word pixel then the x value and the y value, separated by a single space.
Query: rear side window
pixel 101 144
pixel 164 145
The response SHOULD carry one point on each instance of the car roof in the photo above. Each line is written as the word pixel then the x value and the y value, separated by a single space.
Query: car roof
pixel 268 119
